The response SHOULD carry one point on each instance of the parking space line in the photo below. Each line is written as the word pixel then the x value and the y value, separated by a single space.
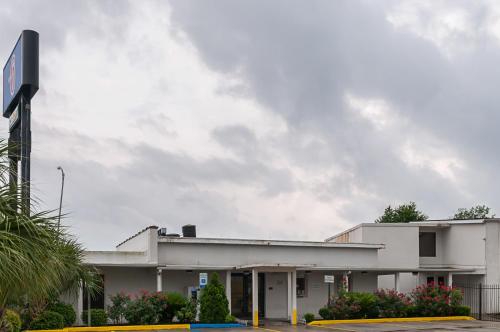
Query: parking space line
pixel 335 328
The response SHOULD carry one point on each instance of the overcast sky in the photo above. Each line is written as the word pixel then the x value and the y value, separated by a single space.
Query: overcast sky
pixel 260 119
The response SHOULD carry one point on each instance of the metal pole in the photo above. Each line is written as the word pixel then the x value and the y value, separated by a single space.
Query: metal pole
pixel 62 192
pixel 25 152
pixel 329 293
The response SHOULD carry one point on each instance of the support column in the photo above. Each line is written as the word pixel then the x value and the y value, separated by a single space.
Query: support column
pixel 294 297
pixel 397 282
pixel 228 289
pixel 158 280
pixel 289 296
pixel 450 279
pixel 255 298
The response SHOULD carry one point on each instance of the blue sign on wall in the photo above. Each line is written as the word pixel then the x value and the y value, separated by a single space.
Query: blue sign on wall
pixel 12 75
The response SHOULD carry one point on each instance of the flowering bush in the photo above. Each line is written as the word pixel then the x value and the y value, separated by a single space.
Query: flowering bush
pixel 427 300
pixel 119 303
pixel 432 300
pixel 391 303
pixel 141 310
pixel 150 308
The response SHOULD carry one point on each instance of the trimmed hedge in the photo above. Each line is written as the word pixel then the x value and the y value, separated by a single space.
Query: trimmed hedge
pixel 309 317
pixel 48 320
pixel 98 317
pixel 66 310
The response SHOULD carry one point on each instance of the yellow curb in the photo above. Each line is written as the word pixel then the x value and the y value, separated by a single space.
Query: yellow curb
pixel 119 328
pixel 388 320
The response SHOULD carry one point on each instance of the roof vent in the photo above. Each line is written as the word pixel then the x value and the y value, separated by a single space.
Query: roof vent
pixel 173 235
pixel 189 231
pixel 162 231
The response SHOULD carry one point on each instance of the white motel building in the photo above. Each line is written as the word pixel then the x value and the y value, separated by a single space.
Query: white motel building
pixel 283 280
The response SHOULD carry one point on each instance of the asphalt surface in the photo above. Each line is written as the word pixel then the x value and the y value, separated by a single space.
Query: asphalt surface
pixel 471 326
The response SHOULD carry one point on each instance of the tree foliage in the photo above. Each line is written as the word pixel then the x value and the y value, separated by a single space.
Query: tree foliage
pixel 402 214
pixel 214 306
pixel 475 212
pixel 38 260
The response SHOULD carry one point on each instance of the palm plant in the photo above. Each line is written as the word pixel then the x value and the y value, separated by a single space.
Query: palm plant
pixel 38 260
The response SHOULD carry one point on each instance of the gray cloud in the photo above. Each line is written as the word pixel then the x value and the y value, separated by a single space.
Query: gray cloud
pixel 431 138
pixel 300 58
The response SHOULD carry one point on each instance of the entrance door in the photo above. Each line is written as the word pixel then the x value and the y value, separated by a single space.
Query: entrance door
pixel 241 295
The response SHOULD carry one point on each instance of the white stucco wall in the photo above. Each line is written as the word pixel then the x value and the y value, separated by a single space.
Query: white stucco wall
pixel 127 279
pixel 401 244
pixel 194 254
pixel 316 295
pixel 492 252
pixel 145 241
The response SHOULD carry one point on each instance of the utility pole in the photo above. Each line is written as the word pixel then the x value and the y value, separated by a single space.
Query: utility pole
pixel 61 199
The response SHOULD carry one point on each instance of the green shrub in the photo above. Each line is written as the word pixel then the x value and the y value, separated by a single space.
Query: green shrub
pixel 230 319
pixel 391 303
pixel 118 307
pixel 461 310
pixel 309 317
pixel 187 314
pixel 326 313
pixel 98 317
pixel 141 311
pixel 11 320
pixel 214 306
pixel 351 305
pixel 48 320
pixel 66 310
pixel 175 302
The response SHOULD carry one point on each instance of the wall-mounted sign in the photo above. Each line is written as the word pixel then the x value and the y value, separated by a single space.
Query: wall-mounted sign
pixel 329 279
pixel 20 73
pixel 203 279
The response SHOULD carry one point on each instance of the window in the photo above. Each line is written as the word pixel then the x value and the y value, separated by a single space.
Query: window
pixel 430 281
pixel 427 244
pixel 301 287
pixel 97 301
pixel 441 281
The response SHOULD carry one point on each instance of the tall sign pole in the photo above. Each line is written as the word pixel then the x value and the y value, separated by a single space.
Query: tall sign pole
pixel 20 83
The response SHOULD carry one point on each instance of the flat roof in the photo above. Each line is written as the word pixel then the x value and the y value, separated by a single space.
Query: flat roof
pixel 426 223
pixel 254 242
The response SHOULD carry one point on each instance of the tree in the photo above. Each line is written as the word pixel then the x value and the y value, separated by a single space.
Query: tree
pixel 475 212
pixel 214 306
pixel 401 214
pixel 38 261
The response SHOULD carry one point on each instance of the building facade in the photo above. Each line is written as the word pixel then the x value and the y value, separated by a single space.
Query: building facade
pixel 289 276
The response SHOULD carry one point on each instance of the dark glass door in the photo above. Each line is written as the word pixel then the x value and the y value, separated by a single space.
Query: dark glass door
pixel 241 295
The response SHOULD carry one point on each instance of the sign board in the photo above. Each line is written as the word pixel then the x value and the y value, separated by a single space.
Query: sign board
pixel 329 279
pixel 20 73
pixel 14 119
pixel 203 279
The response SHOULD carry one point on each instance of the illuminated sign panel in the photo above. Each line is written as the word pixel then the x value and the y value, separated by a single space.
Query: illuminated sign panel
pixel 20 73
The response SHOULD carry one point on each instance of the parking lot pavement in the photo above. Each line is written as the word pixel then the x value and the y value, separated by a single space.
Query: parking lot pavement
pixel 412 326
pixel 471 326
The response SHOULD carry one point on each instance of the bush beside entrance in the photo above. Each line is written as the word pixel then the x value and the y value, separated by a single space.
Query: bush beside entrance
pixel 428 300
